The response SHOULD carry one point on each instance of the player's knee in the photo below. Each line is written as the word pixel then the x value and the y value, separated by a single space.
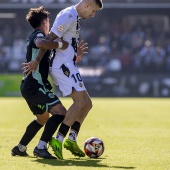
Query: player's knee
pixel 89 104
pixel 42 120
pixel 62 111
pixel 59 109
pixel 85 104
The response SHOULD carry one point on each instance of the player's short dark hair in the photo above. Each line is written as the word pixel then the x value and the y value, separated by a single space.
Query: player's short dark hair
pixel 36 16
pixel 100 3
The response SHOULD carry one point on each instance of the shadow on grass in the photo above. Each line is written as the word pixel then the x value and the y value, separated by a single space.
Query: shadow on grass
pixel 79 162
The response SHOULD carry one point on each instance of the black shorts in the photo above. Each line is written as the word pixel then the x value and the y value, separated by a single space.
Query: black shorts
pixel 40 101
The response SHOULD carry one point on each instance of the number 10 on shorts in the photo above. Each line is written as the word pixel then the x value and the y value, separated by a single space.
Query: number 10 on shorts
pixel 76 77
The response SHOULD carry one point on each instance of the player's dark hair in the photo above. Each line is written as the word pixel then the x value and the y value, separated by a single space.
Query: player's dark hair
pixel 36 16
pixel 100 3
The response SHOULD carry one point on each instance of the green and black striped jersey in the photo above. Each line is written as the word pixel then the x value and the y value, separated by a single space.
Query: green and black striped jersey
pixel 40 76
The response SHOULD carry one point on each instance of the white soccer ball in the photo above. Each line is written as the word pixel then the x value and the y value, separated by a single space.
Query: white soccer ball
pixel 93 147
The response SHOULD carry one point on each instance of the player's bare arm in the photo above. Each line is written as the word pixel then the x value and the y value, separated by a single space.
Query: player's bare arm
pixel 44 45
pixel 51 36
pixel 81 49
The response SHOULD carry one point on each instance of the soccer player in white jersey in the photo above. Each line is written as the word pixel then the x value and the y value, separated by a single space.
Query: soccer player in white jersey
pixel 65 74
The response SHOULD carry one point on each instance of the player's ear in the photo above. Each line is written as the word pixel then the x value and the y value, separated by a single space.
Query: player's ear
pixel 44 21
pixel 87 4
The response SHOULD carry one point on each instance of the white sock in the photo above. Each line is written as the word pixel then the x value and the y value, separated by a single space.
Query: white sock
pixel 60 137
pixel 42 145
pixel 72 135
pixel 22 148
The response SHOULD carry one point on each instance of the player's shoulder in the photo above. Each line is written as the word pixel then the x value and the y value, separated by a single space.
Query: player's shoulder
pixel 36 34
pixel 39 33
pixel 68 13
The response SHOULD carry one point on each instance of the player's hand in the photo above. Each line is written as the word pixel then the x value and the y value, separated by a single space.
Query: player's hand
pixel 65 44
pixel 81 49
pixel 29 67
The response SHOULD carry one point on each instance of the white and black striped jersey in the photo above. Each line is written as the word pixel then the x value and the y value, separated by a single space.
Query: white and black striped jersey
pixel 66 26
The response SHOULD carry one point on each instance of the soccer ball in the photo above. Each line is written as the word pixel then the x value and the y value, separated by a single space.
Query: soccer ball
pixel 93 147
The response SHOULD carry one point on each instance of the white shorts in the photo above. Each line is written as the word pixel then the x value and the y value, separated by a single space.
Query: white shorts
pixel 67 78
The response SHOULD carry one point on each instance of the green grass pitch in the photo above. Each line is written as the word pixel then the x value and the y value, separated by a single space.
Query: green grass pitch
pixel 135 131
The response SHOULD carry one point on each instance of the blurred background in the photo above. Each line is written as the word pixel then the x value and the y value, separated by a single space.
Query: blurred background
pixel 129 46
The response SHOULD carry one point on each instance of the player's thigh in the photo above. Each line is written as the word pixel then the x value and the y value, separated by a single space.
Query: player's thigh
pixel 42 118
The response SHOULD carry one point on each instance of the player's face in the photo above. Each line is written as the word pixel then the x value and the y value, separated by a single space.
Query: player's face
pixel 91 10
pixel 46 26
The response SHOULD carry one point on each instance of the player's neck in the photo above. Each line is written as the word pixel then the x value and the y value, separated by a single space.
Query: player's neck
pixel 79 8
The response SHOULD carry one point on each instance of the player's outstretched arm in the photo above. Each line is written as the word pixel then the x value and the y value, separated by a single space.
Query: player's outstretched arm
pixel 44 45
pixel 81 49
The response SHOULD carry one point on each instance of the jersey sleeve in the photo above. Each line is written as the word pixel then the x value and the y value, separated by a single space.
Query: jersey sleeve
pixel 62 23
pixel 38 35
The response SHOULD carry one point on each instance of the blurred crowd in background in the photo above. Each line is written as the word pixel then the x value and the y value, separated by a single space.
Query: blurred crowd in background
pixel 129 47
pixel 139 43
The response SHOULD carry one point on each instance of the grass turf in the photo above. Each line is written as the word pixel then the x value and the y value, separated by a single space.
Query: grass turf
pixel 135 131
